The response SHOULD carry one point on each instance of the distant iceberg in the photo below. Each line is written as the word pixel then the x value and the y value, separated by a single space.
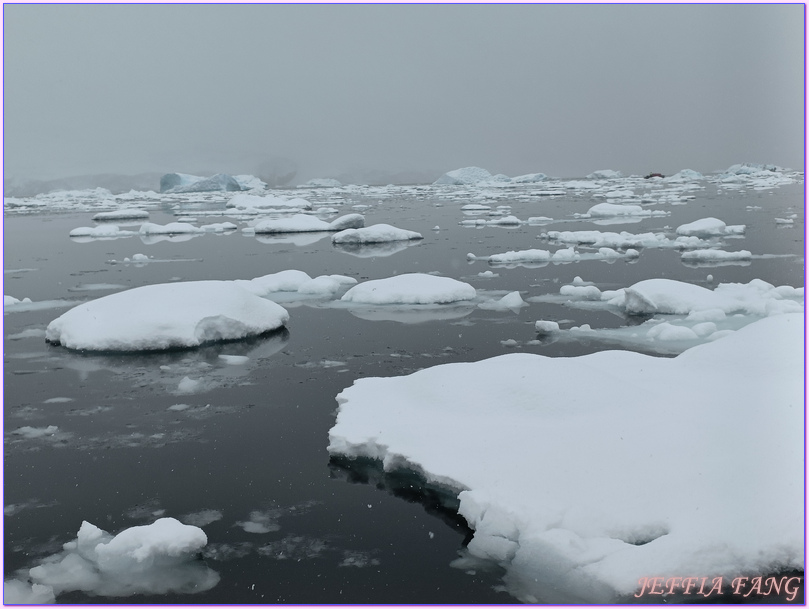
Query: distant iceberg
pixel 529 178
pixel 464 176
pixel 605 174
pixel 751 168
pixel 321 183
pixel 183 182
pixel 685 175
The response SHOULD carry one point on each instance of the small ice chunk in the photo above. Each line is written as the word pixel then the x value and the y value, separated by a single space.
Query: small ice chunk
pixel 546 327
pixel 188 385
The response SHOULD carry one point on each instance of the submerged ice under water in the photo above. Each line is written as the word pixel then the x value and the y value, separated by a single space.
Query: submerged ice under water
pixel 232 436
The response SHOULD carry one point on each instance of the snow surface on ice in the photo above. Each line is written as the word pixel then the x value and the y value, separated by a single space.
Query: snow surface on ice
pixel 154 559
pixel 302 223
pixel 378 233
pixel 410 289
pixel 715 255
pixel 122 214
pixel 582 475
pixel 102 231
pixel 297 282
pixel 256 203
pixel 608 210
pixel 166 316
pixel 709 227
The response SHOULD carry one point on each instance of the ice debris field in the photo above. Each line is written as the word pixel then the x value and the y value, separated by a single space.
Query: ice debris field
pixel 568 485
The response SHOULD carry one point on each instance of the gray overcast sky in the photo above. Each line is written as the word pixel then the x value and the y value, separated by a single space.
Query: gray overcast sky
pixel 560 89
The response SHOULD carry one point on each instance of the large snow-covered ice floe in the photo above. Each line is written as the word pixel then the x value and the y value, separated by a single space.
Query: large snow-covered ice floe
pixel 127 213
pixel 378 233
pixel 166 316
pixel 567 468
pixel 256 204
pixel 411 289
pixel 303 223
pixel 159 558
pixel 715 257
pixel 102 231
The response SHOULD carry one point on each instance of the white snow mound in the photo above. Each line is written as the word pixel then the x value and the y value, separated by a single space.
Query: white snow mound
pixel 378 233
pixel 166 316
pixel 410 288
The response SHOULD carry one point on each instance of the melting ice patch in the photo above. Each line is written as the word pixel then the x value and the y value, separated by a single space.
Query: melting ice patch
pixel 599 440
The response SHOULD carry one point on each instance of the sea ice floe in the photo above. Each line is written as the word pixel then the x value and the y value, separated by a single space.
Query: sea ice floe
pixel 564 466
pixel 410 289
pixel 172 228
pixel 609 210
pixel 623 239
pixel 126 213
pixel 297 282
pixel 260 204
pixel 507 221
pixel 159 558
pixel 166 316
pixel 538 257
pixel 683 315
pixel 378 233
pixel 714 257
pixel 102 231
pixel 302 223
pixel 709 227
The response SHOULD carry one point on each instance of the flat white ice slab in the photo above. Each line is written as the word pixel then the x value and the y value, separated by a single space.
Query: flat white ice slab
pixel 378 233
pixel 410 288
pixel 582 475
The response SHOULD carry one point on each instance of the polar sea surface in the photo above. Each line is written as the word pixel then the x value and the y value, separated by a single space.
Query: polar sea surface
pixel 219 474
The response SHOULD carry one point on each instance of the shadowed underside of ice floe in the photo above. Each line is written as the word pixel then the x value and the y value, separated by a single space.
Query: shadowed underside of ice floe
pixel 571 463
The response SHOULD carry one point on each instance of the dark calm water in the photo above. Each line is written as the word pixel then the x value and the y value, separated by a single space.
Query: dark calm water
pixel 254 440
